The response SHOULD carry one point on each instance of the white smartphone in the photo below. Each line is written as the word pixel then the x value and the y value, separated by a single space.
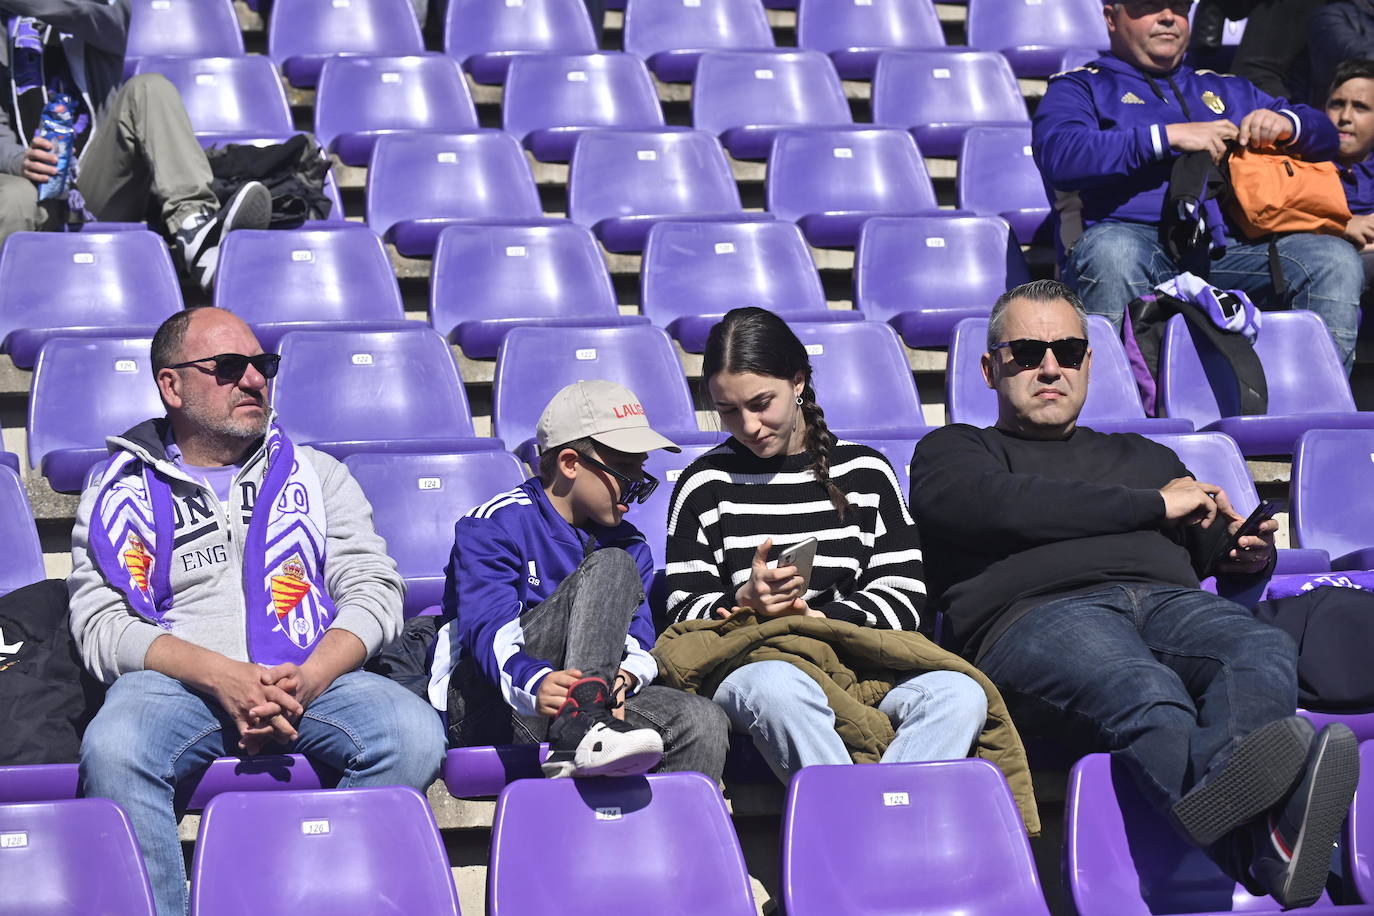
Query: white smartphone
pixel 802 556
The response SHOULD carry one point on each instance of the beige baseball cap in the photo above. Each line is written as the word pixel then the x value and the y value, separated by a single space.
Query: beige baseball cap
pixel 604 411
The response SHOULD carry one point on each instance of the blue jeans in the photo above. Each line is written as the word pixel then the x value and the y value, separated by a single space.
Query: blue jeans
pixel 153 731
pixel 1167 678
pixel 1113 263
pixel 937 715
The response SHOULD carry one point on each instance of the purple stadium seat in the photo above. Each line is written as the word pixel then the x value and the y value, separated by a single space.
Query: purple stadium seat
pixel 321 852
pixel 373 391
pixel 303 34
pixel 10 460
pixel 1033 34
pixel 484 770
pixel 315 279
pixel 1361 723
pixel 18 537
pixel 227 97
pixel 550 99
pixel 686 857
pixel 1113 402
pixel 420 183
pixel 998 177
pixel 263 773
pixel 77 856
pixel 957 818
pixel 939 95
pixel 84 389
pixel 623 181
pixel 672 34
pixel 38 782
pixel 1122 858
pixel 534 363
pixel 1332 495
pixel 1359 840
pixel 651 518
pixel 363 98
pixel 1076 57
pixel 922 274
pixel 487 279
pixel 830 182
pixel 862 379
pixel 487 37
pixel 744 97
pixel 693 273
pixel 898 453
pixel 415 501
pixel 1308 388
pixel 184 28
pixel 82 284
pixel 855 33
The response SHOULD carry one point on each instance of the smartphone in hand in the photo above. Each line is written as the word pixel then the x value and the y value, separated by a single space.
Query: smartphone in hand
pixel 1250 527
pixel 802 556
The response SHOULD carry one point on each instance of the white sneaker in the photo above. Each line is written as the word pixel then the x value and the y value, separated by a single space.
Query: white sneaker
pixel 585 739
pixel 200 236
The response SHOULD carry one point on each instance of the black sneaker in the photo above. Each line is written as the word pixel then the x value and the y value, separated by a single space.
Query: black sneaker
pixel 1260 772
pixel 1291 853
pixel 586 740
pixel 199 237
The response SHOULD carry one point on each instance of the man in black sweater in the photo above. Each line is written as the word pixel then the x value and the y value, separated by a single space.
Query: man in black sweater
pixel 1066 563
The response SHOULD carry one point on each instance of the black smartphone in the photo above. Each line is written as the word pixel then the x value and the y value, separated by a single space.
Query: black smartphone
pixel 1251 526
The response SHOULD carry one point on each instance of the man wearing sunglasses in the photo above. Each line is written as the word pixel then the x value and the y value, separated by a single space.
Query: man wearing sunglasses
pixel 228 585
pixel 547 630
pixel 1106 137
pixel 1067 562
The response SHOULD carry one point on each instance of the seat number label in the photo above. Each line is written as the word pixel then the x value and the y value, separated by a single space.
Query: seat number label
pixel 608 814
pixel 362 359
pixel 896 799
pixel 586 353
pixel 429 483
pixel 302 254
pixel 935 242
pixel 815 349
pixel 13 840
pixel 83 257
pixel 315 828
pixel 125 365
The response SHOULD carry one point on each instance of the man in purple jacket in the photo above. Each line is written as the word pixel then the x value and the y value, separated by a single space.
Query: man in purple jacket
pixel 1106 136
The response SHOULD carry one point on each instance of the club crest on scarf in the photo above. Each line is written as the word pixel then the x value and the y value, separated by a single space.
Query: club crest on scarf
pixel 289 586
pixel 137 561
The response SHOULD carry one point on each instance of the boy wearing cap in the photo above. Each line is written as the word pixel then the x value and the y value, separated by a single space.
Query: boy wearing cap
pixel 547 629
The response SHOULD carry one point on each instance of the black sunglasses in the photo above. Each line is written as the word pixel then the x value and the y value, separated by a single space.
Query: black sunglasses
pixel 1029 353
pixel 229 367
pixel 631 491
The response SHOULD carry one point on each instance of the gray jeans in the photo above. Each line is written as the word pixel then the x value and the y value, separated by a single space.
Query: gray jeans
pixel 583 625
pixel 143 160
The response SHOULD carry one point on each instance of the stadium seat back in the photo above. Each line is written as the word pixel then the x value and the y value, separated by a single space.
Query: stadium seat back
pixel 740 95
pixel 1215 458
pixel 488 37
pixel 229 97
pixel 871 171
pixel 1332 492
pixel 190 28
pixel 998 177
pixel 862 378
pixel 856 34
pixel 303 34
pixel 938 95
pixel 1033 36
pixel 671 34
pixel 18 536
pixel 651 518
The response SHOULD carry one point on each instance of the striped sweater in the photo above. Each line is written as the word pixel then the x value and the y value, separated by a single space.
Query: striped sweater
pixel 867 569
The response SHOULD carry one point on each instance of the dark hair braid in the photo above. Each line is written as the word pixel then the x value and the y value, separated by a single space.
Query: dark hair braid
pixel 819 441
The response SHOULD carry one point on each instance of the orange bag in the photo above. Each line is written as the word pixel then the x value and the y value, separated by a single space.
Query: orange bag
pixel 1272 192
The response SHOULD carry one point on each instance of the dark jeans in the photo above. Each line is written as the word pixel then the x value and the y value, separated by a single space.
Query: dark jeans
pixel 1167 678
pixel 583 625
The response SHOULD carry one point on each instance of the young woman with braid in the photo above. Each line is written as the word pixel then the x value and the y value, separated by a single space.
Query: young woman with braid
pixel 780 478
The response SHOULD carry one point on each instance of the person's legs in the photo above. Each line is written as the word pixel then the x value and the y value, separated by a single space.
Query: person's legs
pixel 150 732
pixel 18 205
pixel 937 714
pixel 786 714
pixel 1114 263
pixel 695 730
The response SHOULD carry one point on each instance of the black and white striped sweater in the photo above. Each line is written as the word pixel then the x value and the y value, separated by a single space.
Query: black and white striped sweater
pixel 727 502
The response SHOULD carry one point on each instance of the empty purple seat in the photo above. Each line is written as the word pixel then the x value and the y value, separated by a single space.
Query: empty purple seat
pixel 363 98
pixel 84 389
pixel 1113 402
pixel 686 856
pixel 550 99
pixel 939 95
pixel 487 37
pixel 78 856
pixel 227 98
pixel 82 284
pixel 38 782
pixel 623 181
pixel 534 363
pixel 831 182
pixel 18 536
pixel 957 818
pixel 672 34
pixel 321 852
pixel 1122 858
pixel 484 770
pixel 308 279
pixel 1308 388
pixel 744 97
pixel 862 379
pixel 1331 492
pixel 923 274
pixel 186 28
pixel 854 34
pixel 998 177
pixel 303 34
pixel 263 773
pixel 415 501
pixel 487 279
pixel 420 183
pixel 373 391
pixel 693 273
pixel 1033 34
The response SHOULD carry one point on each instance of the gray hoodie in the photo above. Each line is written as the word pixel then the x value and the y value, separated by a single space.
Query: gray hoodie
pixel 207 565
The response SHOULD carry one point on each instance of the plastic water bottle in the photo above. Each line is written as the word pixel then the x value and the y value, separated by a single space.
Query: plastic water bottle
pixel 57 127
